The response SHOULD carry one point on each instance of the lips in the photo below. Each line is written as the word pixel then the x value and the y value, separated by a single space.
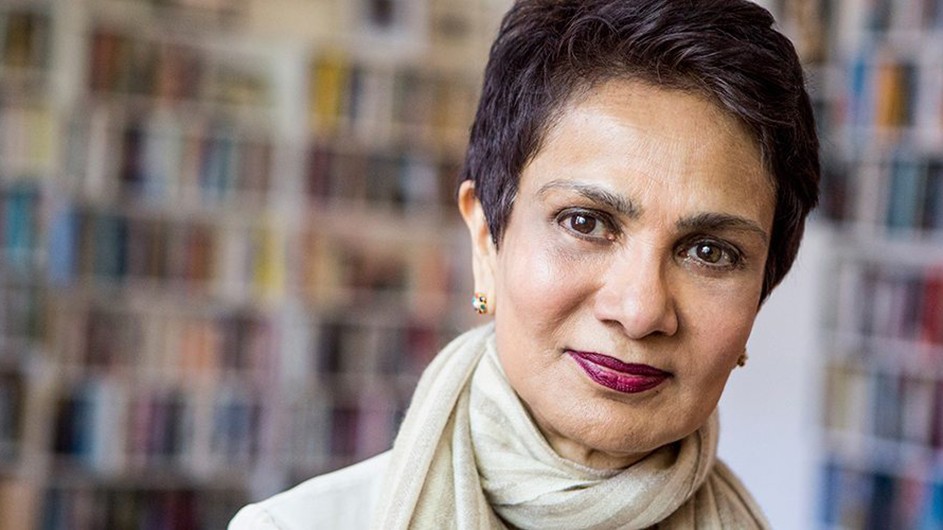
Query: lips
pixel 617 375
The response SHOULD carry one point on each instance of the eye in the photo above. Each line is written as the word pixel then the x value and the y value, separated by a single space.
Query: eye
pixel 587 225
pixel 712 254
pixel 583 224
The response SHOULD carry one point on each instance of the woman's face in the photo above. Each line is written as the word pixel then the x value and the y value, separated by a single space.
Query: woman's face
pixel 630 271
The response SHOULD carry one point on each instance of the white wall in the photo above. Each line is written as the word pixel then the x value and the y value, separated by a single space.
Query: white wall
pixel 770 410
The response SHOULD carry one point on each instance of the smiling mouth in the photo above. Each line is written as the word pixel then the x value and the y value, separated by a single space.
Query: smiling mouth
pixel 617 375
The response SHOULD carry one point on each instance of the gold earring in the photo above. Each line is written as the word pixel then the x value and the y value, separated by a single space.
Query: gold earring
pixel 480 303
pixel 742 360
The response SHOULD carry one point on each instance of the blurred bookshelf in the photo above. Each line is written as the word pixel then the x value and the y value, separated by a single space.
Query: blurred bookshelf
pixel 27 161
pixel 226 251
pixel 877 77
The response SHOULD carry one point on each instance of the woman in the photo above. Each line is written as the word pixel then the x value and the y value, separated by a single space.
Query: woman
pixel 637 182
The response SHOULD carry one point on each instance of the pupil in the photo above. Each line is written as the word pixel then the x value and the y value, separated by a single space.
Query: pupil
pixel 583 224
pixel 708 253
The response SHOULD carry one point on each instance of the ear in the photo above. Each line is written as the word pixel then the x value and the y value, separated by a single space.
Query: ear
pixel 484 253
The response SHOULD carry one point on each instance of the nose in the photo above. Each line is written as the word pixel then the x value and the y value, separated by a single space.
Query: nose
pixel 636 295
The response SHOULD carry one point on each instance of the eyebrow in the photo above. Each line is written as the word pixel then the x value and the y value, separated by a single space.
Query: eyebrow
pixel 707 221
pixel 721 221
pixel 620 204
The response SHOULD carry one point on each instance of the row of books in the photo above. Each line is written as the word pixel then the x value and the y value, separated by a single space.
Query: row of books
pixel 120 507
pixel 893 93
pixel 891 15
pixel 890 301
pixel 883 404
pixel 326 432
pixel 344 267
pixel 171 71
pixel 371 102
pixel 197 255
pixel 238 260
pixel 169 156
pixel 113 426
pixel 901 194
pixel 857 498
pixel 190 345
pixel 175 345
pixel 24 39
pixel 381 177
pixel 884 92
pixel 380 348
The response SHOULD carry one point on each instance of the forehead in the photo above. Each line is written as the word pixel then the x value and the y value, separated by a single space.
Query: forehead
pixel 623 133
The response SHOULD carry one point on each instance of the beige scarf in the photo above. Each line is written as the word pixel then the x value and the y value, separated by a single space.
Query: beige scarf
pixel 469 456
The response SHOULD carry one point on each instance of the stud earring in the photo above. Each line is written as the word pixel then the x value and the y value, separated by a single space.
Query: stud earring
pixel 480 303
pixel 742 360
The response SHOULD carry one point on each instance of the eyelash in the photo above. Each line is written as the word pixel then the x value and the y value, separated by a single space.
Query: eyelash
pixel 734 255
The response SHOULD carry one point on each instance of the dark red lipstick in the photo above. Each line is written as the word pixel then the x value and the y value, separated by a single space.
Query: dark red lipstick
pixel 617 375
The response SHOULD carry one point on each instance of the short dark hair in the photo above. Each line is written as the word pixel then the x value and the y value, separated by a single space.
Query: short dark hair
pixel 547 51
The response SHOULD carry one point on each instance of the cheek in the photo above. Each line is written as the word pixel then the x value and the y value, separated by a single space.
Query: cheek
pixel 717 320
pixel 716 337
pixel 720 332
pixel 540 284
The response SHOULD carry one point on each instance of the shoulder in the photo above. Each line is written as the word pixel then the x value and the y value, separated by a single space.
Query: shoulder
pixel 344 499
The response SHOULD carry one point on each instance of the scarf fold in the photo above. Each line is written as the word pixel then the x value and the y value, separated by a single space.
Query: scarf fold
pixel 468 456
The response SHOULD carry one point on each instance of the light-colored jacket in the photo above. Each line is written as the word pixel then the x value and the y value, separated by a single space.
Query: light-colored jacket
pixel 342 500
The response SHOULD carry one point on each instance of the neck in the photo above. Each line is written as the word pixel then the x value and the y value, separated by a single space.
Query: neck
pixel 593 458
pixel 581 454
